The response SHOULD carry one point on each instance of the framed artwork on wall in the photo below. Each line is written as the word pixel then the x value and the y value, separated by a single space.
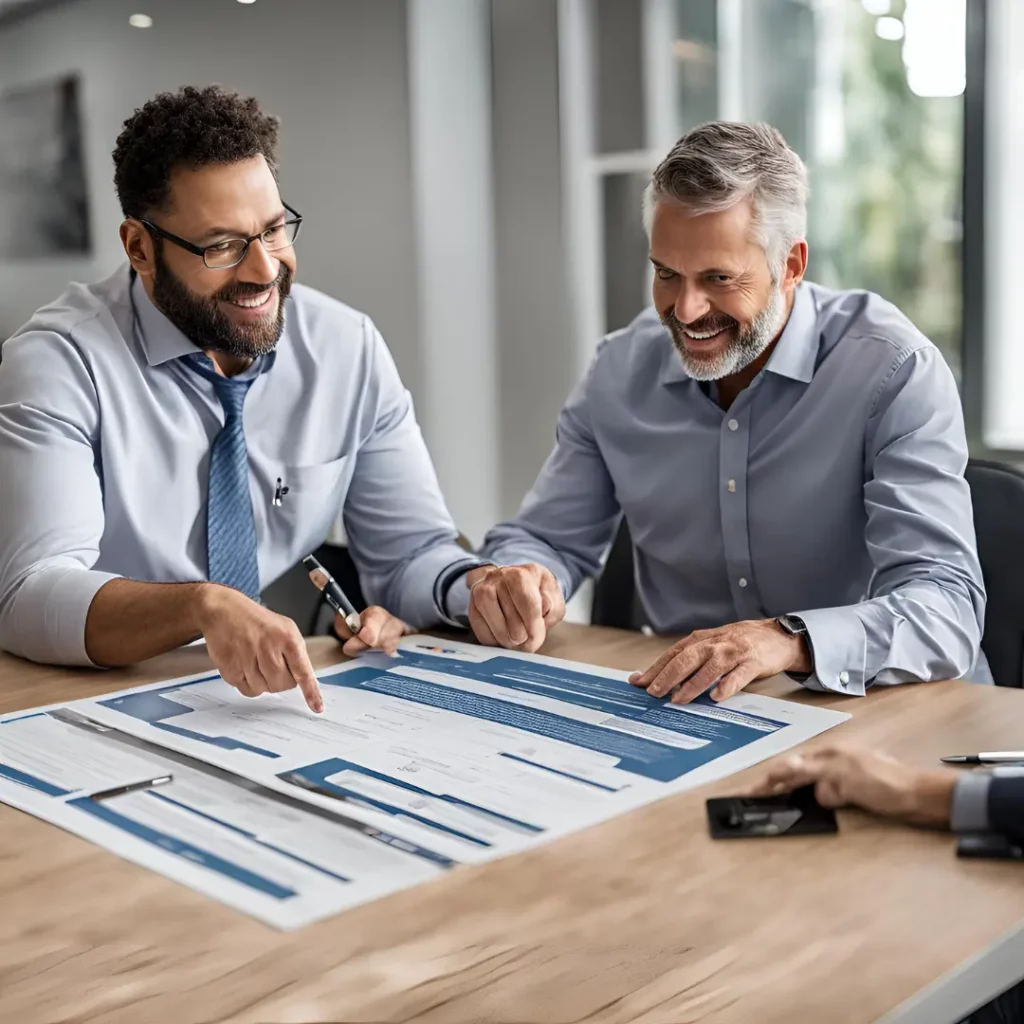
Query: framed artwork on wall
pixel 44 207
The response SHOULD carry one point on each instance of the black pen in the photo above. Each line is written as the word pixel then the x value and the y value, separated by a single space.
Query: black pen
pixel 328 585
pixel 986 757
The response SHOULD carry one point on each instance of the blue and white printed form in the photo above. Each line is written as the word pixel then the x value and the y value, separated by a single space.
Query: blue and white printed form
pixel 449 754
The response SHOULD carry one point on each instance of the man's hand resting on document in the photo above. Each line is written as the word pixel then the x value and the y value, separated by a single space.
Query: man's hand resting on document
pixel 254 649
pixel 727 659
pixel 514 606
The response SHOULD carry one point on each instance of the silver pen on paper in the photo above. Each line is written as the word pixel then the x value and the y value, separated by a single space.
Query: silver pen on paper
pixel 132 787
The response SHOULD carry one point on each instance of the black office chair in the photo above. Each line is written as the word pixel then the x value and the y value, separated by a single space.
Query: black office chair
pixel 616 602
pixel 293 594
pixel 997 493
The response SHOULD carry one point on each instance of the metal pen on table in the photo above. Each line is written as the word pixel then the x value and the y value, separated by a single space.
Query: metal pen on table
pixel 986 757
pixel 335 596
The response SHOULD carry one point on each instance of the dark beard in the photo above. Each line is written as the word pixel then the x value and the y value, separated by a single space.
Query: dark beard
pixel 202 322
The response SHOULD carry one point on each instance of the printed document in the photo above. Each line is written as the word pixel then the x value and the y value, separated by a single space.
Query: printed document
pixel 449 754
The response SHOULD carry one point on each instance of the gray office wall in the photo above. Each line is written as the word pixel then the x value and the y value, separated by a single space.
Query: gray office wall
pixel 334 71
pixel 536 358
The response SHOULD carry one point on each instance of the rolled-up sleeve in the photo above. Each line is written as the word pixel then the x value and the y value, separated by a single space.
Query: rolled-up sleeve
pixel 923 616
pixel 51 502
pixel 400 532
pixel 568 519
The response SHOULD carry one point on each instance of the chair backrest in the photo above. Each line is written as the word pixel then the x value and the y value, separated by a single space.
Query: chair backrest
pixel 997 493
pixel 293 595
pixel 616 602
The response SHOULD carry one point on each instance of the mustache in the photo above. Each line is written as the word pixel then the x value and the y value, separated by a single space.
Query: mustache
pixel 246 289
pixel 703 325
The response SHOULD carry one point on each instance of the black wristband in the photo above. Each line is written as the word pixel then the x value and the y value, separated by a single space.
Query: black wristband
pixel 446 580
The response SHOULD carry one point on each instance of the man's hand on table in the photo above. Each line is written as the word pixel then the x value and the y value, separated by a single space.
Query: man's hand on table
pixel 254 649
pixel 514 606
pixel 258 651
pixel 847 776
pixel 728 659
pixel 378 630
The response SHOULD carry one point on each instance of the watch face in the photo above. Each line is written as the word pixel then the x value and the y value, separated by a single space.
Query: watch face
pixel 791 624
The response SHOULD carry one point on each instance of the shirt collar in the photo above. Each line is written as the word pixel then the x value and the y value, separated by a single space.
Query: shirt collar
pixel 160 339
pixel 795 354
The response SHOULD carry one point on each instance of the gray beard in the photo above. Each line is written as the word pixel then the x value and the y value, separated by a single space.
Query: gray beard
pixel 748 344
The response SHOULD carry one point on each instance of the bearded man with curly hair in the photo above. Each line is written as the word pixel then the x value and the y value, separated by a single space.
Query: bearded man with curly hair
pixel 176 437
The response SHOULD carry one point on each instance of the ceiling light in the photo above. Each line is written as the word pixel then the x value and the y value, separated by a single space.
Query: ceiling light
pixel 879 8
pixel 140 21
pixel 889 28
pixel 935 48
pixel 247 1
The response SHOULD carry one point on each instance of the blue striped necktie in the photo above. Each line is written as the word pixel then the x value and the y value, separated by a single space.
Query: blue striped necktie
pixel 230 526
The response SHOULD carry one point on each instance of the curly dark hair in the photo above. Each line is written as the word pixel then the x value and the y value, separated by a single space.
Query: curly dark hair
pixel 188 128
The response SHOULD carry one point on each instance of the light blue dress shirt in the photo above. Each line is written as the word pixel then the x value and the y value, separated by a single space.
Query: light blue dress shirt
pixel 105 437
pixel 832 489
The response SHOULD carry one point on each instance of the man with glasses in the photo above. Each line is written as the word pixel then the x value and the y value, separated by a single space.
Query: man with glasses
pixel 177 436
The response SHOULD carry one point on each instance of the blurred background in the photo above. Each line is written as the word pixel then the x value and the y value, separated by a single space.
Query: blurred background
pixel 470 172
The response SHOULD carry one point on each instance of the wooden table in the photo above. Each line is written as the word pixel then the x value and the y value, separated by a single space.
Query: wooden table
pixel 640 919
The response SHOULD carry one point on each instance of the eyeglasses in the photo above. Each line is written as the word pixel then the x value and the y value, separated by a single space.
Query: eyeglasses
pixel 231 251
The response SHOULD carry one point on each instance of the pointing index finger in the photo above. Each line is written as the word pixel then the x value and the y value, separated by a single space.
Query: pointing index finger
pixel 304 676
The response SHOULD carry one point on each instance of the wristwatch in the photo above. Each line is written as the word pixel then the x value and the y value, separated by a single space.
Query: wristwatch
pixel 793 625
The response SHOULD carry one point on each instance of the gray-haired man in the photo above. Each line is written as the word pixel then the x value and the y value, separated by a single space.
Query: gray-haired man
pixel 789 459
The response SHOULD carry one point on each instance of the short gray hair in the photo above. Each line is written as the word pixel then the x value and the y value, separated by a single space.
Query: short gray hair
pixel 717 165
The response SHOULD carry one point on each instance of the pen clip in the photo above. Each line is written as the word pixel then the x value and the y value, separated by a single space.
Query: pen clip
pixel 280 490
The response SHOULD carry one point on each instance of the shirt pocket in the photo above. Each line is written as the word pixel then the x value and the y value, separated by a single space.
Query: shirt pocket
pixel 311 499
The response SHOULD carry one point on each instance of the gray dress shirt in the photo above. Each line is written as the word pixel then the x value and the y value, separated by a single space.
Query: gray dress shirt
pixel 105 435
pixel 832 489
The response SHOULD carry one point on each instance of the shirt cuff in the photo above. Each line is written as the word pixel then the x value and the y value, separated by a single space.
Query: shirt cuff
pixel 413 596
pixel 839 644
pixel 46 620
pixel 970 803
pixel 451 595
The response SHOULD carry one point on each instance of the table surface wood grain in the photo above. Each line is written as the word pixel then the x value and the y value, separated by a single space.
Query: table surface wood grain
pixel 641 919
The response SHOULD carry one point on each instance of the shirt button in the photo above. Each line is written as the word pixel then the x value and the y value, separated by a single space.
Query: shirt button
pixel 732 486
pixel 844 677
pixel 734 424
pixel 743 581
